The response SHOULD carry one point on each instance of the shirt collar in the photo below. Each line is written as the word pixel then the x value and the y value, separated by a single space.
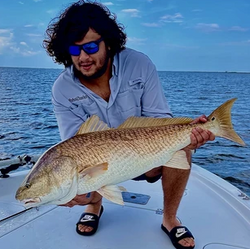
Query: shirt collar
pixel 115 64
pixel 72 70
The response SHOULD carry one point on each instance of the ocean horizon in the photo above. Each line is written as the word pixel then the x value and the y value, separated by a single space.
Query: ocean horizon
pixel 185 71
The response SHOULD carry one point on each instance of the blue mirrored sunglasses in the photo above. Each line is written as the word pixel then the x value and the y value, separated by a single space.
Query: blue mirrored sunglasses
pixel 88 48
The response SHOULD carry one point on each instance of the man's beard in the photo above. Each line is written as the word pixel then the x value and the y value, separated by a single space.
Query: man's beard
pixel 97 74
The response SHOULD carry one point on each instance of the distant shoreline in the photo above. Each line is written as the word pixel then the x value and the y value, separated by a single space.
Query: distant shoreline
pixel 205 72
pixel 175 71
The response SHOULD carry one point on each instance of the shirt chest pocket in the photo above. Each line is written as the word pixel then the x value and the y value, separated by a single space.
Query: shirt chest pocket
pixel 130 98
pixel 84 109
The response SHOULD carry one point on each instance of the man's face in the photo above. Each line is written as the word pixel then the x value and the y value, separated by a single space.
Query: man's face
pixel 91 65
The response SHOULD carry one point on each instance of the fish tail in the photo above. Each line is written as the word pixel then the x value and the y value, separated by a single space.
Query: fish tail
pixel 222 117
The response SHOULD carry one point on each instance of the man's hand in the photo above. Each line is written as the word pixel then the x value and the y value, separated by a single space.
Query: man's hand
pixel 80 200
pixel 200 136
pixel 85 199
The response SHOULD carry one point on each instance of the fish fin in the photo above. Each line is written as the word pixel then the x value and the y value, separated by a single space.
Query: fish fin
pixel 95 170
pixel 133 122
pixel 222 117
pixel 178 161
pixel 112 193
pixel 92 124
pixel 122 188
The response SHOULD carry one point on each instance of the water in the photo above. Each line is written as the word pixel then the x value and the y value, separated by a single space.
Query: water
pixel 28 125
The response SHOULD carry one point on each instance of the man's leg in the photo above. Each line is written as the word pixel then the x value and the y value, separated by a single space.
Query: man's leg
pixel 94 207
pixel 173 183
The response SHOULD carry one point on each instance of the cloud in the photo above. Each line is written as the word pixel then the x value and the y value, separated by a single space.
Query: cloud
pixel 138 41
pixel 108 3
pixel 153 24
pixel 33 35
pixel 6 36
pixel 23 43
pixel 237 43
pixel 20 2
pixel 28 25
pixel 4 31
pixel 132 12
pixel 37 1
pixel 24 52
pixel 238 28
pixel 30 53
pixel 176 18
pixel 208 27
pixel 51 12
pixel 7 44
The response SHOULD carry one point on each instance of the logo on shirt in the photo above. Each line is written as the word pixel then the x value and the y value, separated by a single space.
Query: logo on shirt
pixel 78 98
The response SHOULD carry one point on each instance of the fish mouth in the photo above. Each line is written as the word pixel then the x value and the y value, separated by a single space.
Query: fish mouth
pixel 31 202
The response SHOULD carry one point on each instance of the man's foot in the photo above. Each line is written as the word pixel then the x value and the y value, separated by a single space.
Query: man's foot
pixel 89 220
pixel 180 236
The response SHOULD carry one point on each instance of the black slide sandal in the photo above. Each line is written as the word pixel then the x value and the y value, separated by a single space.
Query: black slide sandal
pixel 89 219
pixel 178 233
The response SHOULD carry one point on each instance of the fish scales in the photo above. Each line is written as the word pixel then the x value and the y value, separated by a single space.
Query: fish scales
pixel 146 148
pixel 98 147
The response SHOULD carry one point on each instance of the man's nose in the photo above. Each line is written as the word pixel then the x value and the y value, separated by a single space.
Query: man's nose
pixel 83 55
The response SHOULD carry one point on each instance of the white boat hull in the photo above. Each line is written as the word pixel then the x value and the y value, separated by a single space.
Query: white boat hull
pixel 211 208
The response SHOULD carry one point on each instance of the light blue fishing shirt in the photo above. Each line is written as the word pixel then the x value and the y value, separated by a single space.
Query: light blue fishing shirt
pixel 135 91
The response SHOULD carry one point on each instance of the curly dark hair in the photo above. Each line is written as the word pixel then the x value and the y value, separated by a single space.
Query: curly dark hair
pixel 73 24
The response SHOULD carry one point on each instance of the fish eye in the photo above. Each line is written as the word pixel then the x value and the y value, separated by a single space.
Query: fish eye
pixel 27 185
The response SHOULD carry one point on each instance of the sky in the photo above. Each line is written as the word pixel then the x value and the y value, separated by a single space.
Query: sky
pixel 177 35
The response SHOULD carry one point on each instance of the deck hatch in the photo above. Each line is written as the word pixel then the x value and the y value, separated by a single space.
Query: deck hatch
pixel 135 198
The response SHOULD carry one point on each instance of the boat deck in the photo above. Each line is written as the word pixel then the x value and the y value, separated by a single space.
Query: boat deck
pixel 216 212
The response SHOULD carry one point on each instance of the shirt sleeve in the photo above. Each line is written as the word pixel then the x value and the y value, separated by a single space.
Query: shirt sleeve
pixel 154 103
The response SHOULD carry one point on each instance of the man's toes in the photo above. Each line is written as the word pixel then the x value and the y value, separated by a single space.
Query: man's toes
pixel 190 241
pixel 187 242
pixel 183 242
pixel 83 228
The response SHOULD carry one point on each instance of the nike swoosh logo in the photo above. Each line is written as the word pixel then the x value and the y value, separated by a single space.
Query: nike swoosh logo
pixel 87 220
pixel 178 235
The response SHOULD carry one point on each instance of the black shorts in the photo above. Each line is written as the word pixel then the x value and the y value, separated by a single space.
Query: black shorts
pixel 143 177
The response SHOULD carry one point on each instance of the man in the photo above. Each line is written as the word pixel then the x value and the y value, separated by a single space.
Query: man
pixel 103 77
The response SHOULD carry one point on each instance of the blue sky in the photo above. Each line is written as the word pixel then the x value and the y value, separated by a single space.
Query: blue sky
pixel 178 35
